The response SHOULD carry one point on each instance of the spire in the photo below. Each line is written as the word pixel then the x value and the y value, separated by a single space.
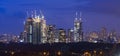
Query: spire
pixel 76 16
pixel 27 14
pixel 24 22
pixel 80 16
pixel 41 14
pixel 32 14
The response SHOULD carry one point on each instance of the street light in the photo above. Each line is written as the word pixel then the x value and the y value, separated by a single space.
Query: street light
pixel 87 54
pixel 58 53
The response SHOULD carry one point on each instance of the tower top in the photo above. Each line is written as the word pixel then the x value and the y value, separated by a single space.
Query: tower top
pixel 80 16
pixel 76 16
pixel 27 14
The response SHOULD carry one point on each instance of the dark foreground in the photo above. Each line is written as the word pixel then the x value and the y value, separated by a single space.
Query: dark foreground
pixel 60 49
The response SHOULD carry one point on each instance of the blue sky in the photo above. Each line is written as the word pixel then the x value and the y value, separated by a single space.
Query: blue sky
pixel 95 13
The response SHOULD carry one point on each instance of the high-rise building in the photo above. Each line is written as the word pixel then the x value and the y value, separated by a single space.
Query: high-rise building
pixel 22 37
pixel 62 35
pixel 78 33
pixel 112 38
pixel 35 28
pixel 70 36
pixel 103 34
pixel 51 33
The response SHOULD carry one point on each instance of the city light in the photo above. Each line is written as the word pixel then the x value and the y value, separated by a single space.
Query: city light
pixel 87 54
pixel 44 53
pixel 36 31
pixel 6 51
pixel 59 53
pixel 60 28
pixel 12 53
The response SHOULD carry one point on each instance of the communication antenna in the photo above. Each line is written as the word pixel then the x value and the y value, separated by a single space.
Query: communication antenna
pixel 76 16
pixel 80 15
pixel 27 13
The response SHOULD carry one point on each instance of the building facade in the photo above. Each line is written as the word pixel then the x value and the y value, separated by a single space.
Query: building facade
pixel 35 28
pixel 78 33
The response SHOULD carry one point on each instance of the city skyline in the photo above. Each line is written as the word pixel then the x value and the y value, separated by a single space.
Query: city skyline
pixel 59 28
pixel 94 15
pixel 36 31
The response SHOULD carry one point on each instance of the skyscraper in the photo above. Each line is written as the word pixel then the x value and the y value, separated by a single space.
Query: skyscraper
pixel 28 30
pixel 51 33
pixel 62 35
pixel 103 34
pixel 78 33
pixel 112 37
pixel 35 28
pixel 70 35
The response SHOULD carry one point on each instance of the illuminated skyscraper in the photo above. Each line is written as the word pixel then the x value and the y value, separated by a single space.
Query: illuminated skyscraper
pixel 103 34
pixel 78 33
pixel 51 33
pixel 70 35
pixel 112 37
pixel 35 28
pixel 23 37
pixel 28 30
pixel 62 35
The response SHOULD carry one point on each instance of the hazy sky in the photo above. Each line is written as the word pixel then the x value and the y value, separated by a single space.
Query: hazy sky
pixel 95 13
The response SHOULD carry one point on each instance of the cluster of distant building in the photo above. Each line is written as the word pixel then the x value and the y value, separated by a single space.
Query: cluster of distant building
pixel 36 31
pixel 6 38
pixel 102 36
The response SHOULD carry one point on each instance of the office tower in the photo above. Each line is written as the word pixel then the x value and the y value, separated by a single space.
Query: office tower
pixel 51 33
pixel 118 39
pixel 70 35
pixel 28 29
pixel 57 35
pixel 21 38
pixel 62 35
pixel 103 34
pixel 35 28
pixel 43 30
pixel 112 37
pixel 78 33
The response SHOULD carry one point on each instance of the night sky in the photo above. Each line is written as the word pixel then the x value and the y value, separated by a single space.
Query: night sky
pixel 95 13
